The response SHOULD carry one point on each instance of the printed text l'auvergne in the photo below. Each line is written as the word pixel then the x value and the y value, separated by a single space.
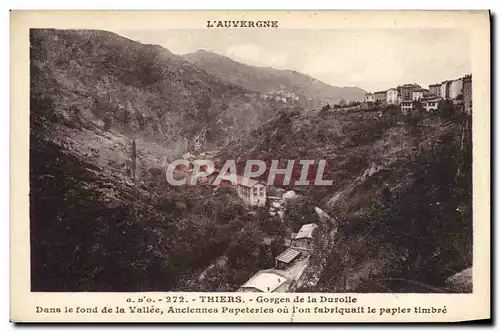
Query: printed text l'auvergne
pixel 242 24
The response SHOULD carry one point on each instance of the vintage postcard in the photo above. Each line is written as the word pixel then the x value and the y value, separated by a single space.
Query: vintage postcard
pixel 260 166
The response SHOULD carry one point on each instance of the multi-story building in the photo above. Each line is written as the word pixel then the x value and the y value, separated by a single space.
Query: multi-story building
pixel 251 191
pixel 405 91
pixel 467 92
pixel 435 89
pixel 369 98
pixel 445 90
pixel 407 106
pixel 419 94
pixel 391 96
pixel 379 96
pixel 430 103
pixel 456 89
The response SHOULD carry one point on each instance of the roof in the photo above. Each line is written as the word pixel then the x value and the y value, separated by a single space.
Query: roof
pixel 431 98
pixel 288 255
pixel 437 84
pixel 414 85
pixel 265 281
pixel 247 182
pixel 306 231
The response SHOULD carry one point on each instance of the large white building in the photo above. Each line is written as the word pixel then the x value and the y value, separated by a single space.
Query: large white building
pixel 392 96
pixel 407 107
pixel 445 90
pixel 456 88
pixel 252 192
pixel 431 103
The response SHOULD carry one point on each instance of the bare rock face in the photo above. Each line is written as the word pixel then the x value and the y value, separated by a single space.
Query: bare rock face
pixel 460 282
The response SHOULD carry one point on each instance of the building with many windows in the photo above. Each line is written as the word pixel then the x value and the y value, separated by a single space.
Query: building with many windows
pixel 407 106
pixel 430 103
pixel 467 93
pixel 445 90
pixel 435 89
pixel 380 96
pixel 405 91
pixel 456 89
pixel 392 96
pixel 252 192
pixel 419 94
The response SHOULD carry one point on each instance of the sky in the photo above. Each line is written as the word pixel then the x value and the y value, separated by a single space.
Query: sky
pixel 370 59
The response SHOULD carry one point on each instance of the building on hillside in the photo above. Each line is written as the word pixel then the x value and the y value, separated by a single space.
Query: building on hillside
pixel 445 90
pixel 419 94
pixel 303 239
pixel 369 98
pixel 251 191
pixel 405 91
pixel 379 96
pixel 430 103
pixel 435 89
pixel 392 96
pixel 456 89
pixel 286 258
pixel 266 281
pixel 467 93
pixel 407 106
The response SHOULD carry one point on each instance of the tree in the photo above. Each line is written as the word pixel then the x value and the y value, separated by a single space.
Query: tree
pixel 327 107
pixel 300 211
pixel 244 248
pixel 417 106
pixel 446 110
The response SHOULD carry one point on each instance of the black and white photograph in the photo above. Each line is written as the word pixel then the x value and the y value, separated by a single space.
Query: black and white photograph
pixel 250 166
pixel 251 160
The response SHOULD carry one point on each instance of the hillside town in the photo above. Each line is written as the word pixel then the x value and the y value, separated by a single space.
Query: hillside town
pixel 409 96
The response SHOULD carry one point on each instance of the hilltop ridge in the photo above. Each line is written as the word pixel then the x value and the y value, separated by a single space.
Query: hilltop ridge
pixel 267 79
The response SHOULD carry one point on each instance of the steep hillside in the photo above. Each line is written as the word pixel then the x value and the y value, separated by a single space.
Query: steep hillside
pixel 93 229
pixel 266 80
pixel 401 193
pixel 93 96
pixel 99 79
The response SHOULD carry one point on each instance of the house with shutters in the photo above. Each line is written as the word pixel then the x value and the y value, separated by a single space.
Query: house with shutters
pixel 251 191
